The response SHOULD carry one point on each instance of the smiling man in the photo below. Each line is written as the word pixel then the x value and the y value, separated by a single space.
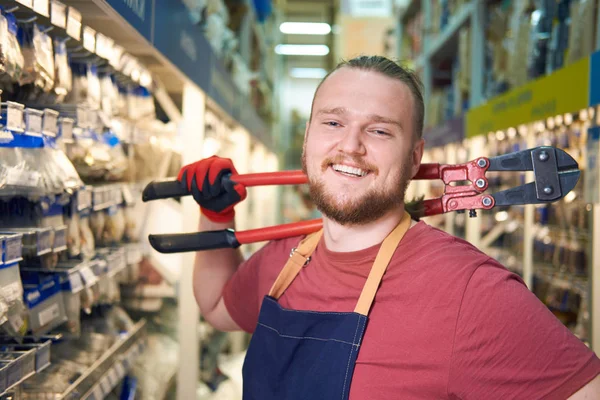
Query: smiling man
pixel 376 305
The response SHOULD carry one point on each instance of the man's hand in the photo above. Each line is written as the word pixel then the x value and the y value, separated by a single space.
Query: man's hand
pixel 215 195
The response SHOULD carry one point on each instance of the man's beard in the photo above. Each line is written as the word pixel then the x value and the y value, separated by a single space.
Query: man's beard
pixel 367 208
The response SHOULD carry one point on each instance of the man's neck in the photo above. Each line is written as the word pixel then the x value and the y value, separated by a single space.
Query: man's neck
pixel 343 238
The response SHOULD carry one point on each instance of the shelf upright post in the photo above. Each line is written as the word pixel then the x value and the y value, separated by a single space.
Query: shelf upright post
pixel 427 73
pixel 529 221
pixel 192 132
pixel 476 95
pixel 473 225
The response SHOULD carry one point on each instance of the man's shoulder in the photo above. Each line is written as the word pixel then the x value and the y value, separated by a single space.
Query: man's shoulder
pixel 426 241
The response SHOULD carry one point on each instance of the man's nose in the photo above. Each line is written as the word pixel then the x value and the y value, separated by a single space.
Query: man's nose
pixel 352 141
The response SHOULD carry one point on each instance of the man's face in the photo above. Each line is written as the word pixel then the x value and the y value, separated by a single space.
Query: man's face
pixel 359 150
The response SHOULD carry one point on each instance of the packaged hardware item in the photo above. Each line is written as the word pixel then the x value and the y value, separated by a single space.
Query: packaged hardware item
pixel 38 73
pixel 45 305
pixel 64 78
pixel 11 57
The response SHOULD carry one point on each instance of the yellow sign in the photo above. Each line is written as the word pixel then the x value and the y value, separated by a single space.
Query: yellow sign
pixel 566 90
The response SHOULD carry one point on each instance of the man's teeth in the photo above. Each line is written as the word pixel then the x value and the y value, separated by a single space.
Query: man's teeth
pixel 349 170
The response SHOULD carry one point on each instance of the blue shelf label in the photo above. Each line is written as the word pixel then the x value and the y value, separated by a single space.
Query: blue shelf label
pixel 595 79
pixel 138 13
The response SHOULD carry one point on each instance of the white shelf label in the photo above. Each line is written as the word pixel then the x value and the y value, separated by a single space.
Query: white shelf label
pixel 58 14
pixel 49 314
pixel 98 395
pixel 27 3
pixel 120 370
pixel 14 117
pixel 82 117
pixel 76 282
pixel 88 276
pixel 89 39
pixel 74 23
pixel 66 128
pixel 33 121
pixel 50 123
pixel 113 378
pixel 105 385
pixel 41 7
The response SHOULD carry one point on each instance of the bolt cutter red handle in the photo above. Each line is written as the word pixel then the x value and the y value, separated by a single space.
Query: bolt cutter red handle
pixel 556 175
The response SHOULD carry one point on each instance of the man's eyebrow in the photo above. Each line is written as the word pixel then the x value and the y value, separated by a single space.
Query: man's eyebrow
pixel 334 110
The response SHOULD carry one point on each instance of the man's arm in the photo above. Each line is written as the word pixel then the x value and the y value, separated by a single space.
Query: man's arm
pixel 591 391
pixel 212 270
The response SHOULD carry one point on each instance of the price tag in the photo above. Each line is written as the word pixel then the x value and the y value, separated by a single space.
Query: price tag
pixel 97 393
pixel 41 7
pixel 13 249
pixel 50 123
pixel 49 314
pixel 14 116
pixel 120 370
pixel 81 117
pixel 66 129
pixel 115 59
pixel 105 385
pixel 113 378
pixel 74 23
pixel 33 121
pixel 27 3
pixel 89 39
pixel 44 241
pixel 60 239
pixel 58 14
pixel 84 199
pixel 76 282
pixel 89 278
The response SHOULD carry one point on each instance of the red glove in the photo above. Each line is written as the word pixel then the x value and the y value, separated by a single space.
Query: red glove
pixel 208 182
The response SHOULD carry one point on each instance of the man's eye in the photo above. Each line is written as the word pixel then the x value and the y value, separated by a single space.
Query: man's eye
pixel 332 123
pixel 380 132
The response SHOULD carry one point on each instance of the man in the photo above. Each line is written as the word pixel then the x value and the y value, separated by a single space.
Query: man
pixel 376 305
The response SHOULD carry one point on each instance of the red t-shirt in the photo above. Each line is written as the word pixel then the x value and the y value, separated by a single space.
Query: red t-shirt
pixel 447 322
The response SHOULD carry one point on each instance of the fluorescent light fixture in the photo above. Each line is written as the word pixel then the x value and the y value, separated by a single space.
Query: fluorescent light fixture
pixel 305 28
pixel 308 73
pixel 302 49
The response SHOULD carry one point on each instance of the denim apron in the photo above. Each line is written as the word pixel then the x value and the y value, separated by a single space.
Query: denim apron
pixel 307 355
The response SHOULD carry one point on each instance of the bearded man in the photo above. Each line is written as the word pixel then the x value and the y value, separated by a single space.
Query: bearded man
pixel 376 305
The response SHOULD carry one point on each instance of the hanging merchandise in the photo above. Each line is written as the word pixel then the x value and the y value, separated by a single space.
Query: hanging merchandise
pixel 541 30
pixel 11 57
pixel 64 77
pixel 38 72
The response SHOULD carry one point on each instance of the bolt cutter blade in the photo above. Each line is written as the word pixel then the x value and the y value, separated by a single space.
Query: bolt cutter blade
pixel 523 160
pixel 528 194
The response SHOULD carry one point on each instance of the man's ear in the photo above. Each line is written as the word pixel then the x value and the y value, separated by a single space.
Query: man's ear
pixel 417 156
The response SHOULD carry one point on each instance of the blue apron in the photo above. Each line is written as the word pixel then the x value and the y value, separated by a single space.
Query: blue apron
pixel 306 355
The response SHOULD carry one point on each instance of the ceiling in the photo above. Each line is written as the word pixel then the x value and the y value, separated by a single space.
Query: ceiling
pixel 309 11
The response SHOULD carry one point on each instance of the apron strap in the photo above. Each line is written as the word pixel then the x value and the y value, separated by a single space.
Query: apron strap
pixel 298 259
pixel 388 247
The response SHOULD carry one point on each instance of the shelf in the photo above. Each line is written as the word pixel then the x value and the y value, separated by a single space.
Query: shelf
pixel 444 45
pixel 112 367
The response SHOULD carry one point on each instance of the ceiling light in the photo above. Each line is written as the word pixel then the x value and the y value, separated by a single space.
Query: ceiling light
pixel 302 49
pixel 305 28
pixel 308 73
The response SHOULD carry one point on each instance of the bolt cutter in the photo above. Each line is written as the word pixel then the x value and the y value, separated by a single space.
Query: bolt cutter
pixel 556 174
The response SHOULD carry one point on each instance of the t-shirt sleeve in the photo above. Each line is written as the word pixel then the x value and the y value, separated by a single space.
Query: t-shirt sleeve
pixel 509 345
pixel 240 294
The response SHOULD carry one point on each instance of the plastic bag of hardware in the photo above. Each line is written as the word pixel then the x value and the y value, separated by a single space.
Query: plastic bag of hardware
pixel 63 83
pixel 88 243
pixel 38 75
pixel 17 176
pixel 11 56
